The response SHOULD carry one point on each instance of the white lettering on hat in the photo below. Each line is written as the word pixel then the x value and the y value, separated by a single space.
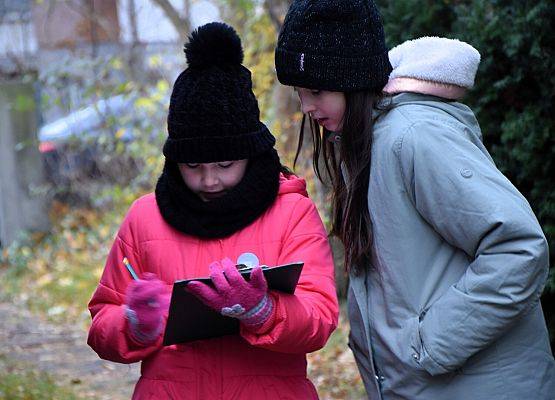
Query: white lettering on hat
pixel 302 62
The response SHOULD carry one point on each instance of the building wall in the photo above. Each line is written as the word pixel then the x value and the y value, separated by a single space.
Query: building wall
pixel 71 23
pixel 17 36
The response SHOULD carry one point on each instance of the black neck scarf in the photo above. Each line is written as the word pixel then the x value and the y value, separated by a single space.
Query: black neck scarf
pixel 221 217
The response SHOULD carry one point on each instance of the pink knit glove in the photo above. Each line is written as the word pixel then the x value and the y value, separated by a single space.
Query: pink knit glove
pixel 233 296
pixel 147 301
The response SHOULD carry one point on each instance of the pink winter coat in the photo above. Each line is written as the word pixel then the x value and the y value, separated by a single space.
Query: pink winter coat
pixel 266 365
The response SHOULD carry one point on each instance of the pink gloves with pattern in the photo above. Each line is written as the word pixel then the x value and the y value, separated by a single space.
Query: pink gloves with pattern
pixel 233 296
pixel 147 302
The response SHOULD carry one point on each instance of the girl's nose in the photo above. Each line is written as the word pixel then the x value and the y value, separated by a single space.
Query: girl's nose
pixel 307 107
pixel 209 179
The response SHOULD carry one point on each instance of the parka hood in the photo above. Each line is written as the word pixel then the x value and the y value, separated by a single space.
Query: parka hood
pixel 292 184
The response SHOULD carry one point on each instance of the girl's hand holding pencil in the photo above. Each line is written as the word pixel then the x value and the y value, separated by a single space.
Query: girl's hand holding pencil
pixel 146 304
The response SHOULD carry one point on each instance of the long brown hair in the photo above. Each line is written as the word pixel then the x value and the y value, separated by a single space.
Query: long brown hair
pixel 349 172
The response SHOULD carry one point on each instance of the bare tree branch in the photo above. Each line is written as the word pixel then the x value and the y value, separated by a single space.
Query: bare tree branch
pixel 181 23
pixel 277 10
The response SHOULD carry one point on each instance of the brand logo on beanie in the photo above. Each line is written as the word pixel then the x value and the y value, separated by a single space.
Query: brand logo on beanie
pixel 301 62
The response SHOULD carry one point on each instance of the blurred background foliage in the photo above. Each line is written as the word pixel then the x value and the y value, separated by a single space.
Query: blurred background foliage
pixel 513 100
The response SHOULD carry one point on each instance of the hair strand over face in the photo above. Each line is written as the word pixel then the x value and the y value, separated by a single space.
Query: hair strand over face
pixel 348 168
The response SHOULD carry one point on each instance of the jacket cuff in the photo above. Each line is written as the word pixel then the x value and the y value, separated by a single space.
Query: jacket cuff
pixel 138 337
pixel 267 324
pixel 420 357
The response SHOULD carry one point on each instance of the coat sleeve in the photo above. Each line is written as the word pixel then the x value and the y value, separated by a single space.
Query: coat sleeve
pixel 302 322
pixel 456 188
pixel 109 334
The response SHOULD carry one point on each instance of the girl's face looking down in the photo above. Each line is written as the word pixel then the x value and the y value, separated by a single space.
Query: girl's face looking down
pixel 325 107
pixel 212 180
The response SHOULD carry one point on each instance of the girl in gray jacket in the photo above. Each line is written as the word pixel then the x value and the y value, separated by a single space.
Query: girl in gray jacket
pixel 447 261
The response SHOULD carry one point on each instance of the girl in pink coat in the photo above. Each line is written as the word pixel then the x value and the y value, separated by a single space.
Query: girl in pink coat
pixel 222 193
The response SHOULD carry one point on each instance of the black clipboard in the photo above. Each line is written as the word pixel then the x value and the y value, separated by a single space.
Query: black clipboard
pixel 189 319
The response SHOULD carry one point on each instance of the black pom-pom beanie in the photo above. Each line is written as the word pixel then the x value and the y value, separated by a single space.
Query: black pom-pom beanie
pixel 335 45
pixel 213 113
pixel 214 117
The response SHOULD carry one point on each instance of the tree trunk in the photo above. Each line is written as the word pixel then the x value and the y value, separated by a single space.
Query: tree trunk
pixel 277 10
pixel 134 51
pixel 22 206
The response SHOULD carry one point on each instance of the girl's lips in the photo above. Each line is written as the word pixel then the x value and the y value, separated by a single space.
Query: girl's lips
pixel 321 121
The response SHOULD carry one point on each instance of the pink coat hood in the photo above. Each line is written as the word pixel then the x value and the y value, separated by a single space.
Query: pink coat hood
pixel 292 184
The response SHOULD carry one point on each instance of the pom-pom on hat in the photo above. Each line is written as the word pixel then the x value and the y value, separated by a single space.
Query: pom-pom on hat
pixel 213 113
pixel 213 44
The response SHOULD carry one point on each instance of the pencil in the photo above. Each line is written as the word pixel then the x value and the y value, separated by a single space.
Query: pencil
pixel 130 269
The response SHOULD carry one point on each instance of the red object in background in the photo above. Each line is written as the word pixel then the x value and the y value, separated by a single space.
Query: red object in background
pixel 46 147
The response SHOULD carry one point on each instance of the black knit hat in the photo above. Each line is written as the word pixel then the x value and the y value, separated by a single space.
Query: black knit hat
pixel 213 114
pixel 335 45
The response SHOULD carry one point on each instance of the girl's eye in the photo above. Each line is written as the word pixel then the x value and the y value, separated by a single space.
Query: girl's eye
pixel 191 165
pixel 225 165
pixel 315 92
